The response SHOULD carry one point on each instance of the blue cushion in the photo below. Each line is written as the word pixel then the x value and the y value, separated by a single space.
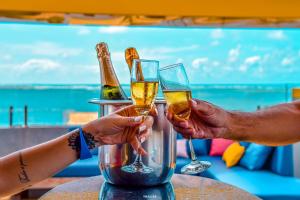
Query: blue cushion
pixel 201 146
pixel 81 168
pixel 255 156
pixel 262 183
pixel 282 161
pixel 244 144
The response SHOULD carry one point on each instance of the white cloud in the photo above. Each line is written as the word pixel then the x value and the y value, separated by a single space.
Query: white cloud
pixel 83 31
pixel 162 53
pixel 39 65
pixel 233 54
pixel 179 60
pixel 266 57
pixel 118 56
pixel 260 69
pixel 48 71
pixel 52 49
pixel 215 43
pixel 94 68
pixel 120 66
pixel 287 61
pixel 113 29
pixel 252 60
pixel 45 48
pixel 243 68
pixel 258 72
pixel 199 61
pixel 249 62
pixel 158 53
pixel 163 50
pixel 276 35
pixel 215 63
pixel 217 34
pixel 5 57
pixel 227 68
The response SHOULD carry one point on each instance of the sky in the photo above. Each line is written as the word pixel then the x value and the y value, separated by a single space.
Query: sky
pixel 65 54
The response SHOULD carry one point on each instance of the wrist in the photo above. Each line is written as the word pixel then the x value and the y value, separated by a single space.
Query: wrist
pixel 94 127
pixel 89 128
pixel 238 126
pixel 75 141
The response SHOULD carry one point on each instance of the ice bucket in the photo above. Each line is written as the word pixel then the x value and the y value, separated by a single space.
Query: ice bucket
pixel 161 148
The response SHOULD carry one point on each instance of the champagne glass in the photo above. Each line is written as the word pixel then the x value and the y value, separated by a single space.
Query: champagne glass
pixel 175 86
pixel 144 86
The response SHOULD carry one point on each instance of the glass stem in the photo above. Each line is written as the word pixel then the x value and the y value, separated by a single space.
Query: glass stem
pixel 193 155
pixel 138 158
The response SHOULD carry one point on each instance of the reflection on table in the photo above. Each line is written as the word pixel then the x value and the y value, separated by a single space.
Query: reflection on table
pixel 181 187
pixel 113 192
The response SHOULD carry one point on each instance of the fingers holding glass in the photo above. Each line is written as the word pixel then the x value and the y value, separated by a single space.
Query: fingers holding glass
pixel 176 121
pixel 175 86
pixel 145 129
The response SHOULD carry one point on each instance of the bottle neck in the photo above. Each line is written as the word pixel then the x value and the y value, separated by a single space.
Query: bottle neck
pixel 108 76
pixel 131 54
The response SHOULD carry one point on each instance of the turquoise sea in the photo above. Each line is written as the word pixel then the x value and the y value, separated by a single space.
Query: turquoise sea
pixel 49 104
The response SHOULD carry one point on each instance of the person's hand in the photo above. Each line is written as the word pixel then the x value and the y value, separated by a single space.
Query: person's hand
pixel 206 121
pixel 122 126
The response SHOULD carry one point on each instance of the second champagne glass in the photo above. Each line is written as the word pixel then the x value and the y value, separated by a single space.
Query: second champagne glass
pixel 175 86
pixel 144 86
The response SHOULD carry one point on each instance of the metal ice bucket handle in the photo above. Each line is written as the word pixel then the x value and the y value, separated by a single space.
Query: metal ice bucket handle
pixel 161 148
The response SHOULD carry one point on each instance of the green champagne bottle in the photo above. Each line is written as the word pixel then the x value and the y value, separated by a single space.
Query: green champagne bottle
pixel 110 86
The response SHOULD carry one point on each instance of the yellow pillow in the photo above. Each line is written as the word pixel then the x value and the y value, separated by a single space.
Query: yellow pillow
pixel 233 154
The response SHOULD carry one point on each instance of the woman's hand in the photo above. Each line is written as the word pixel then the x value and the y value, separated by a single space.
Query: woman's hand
pixel 206 121
pixel 122 126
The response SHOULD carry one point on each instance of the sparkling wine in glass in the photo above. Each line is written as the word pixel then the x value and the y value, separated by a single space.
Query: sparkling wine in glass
pixel 175 86
pixel 144 87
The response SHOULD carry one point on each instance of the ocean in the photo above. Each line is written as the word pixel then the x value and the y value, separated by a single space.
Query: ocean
pixel 49 104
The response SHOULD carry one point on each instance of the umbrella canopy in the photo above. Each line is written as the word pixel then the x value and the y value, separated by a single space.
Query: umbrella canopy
pixel 230 13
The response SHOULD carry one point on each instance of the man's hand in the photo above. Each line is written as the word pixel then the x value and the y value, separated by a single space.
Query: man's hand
pixel 206 121
pixel 122 126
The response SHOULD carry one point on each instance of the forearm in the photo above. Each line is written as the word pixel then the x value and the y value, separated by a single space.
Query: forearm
pixel 21 169
pixel 277 125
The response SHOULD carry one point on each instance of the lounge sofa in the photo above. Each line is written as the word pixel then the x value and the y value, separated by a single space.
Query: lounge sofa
pixel 275 181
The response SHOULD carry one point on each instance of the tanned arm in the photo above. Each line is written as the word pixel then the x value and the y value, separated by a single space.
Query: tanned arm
pixel 277 125
pixel 24 168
